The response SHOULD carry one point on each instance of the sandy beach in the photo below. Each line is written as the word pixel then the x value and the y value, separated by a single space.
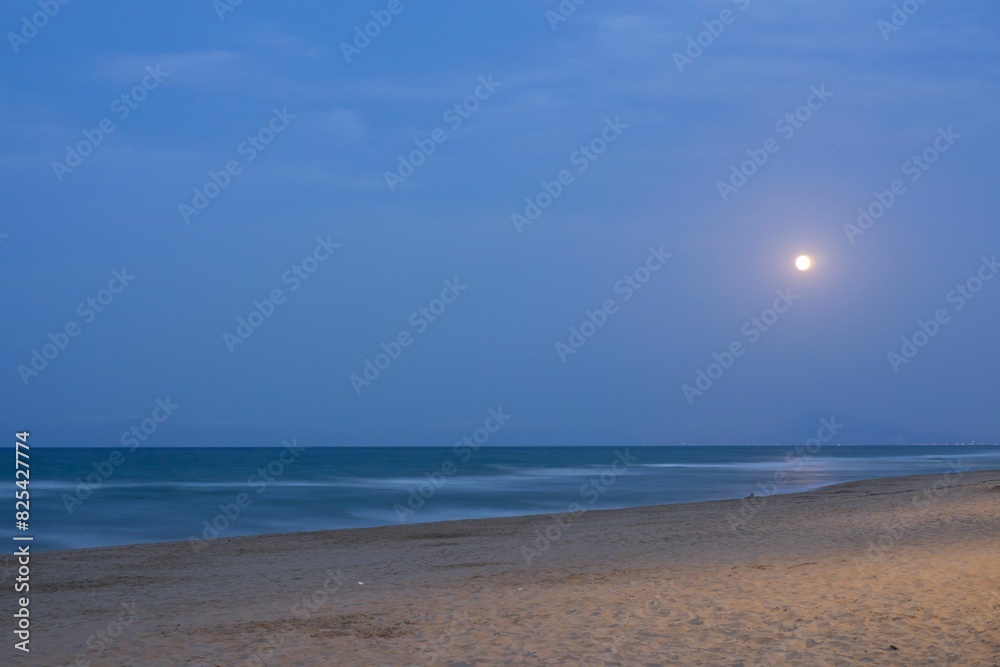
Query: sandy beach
pixel 899 571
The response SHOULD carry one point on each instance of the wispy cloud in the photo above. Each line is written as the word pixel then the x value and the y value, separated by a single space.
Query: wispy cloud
pixel 190 68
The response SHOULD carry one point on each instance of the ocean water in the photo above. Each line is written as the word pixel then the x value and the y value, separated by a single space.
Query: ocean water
pixel 98 497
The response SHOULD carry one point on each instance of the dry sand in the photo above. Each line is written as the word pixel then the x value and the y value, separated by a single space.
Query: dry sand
pixel 883 572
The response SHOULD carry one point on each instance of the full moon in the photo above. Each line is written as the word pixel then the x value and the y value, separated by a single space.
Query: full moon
pixel 803 262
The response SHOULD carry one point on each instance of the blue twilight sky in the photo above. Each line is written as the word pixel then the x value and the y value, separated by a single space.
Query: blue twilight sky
pixel 308 137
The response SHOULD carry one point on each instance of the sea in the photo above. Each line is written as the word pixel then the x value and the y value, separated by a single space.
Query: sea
pixel 83 498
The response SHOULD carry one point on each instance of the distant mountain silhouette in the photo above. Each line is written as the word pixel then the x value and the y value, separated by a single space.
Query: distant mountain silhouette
pixel 859 430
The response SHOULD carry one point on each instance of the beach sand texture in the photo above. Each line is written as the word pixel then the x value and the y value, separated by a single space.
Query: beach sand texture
pixel 886 572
